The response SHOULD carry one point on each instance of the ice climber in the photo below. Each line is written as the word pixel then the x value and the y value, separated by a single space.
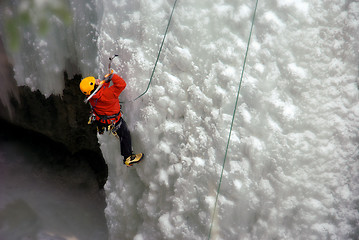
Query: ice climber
pixel 106 111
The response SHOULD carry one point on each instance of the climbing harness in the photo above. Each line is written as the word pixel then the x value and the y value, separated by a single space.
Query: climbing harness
pixel 106 117
pixel 111 127
pixel 158 55
pixel 234 113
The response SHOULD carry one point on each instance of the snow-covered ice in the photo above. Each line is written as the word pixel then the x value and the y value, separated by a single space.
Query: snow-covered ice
pixel 291 170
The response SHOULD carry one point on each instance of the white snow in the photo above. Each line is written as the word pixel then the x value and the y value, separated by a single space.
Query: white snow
pixel 291 170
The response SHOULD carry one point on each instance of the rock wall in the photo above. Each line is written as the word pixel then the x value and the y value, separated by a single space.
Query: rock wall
pixel 63 119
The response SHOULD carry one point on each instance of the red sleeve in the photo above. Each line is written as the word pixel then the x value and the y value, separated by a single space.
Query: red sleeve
pixel 118 84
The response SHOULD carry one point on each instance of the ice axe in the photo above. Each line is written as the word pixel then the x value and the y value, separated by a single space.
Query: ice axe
pixel 109 64
pixel 103 80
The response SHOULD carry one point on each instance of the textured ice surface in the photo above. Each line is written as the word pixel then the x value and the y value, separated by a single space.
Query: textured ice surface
pixel 291 171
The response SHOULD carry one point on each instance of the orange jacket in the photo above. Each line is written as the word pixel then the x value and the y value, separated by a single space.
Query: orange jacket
pixel 105 103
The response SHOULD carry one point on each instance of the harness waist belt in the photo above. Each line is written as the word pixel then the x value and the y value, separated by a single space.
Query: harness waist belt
pixel 106 117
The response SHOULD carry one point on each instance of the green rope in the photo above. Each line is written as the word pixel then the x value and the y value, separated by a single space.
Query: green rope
pixel 158 55
pixel 234 113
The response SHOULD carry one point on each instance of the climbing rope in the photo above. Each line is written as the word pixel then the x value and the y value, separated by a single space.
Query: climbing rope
pixel 234 113
pixel 158 55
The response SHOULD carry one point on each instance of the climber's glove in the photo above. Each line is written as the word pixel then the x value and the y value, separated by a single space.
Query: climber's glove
pixel 108 76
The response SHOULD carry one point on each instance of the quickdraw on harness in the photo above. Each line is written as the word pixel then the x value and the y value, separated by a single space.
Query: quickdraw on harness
pixel 114 128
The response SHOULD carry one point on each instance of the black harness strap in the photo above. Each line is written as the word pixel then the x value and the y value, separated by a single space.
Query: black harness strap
pixel 106 117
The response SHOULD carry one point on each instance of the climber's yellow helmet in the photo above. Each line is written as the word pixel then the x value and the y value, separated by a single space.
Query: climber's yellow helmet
pixel 87 85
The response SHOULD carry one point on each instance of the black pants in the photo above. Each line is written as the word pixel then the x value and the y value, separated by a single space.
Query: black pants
pixel 123 134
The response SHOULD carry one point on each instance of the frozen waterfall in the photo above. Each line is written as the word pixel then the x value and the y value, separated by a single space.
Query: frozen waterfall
pixel 292 169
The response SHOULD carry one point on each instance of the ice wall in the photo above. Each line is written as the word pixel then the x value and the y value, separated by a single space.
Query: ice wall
pixel 291 170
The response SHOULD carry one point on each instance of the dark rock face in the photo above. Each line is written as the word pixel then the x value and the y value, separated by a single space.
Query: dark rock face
pixel 63 119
